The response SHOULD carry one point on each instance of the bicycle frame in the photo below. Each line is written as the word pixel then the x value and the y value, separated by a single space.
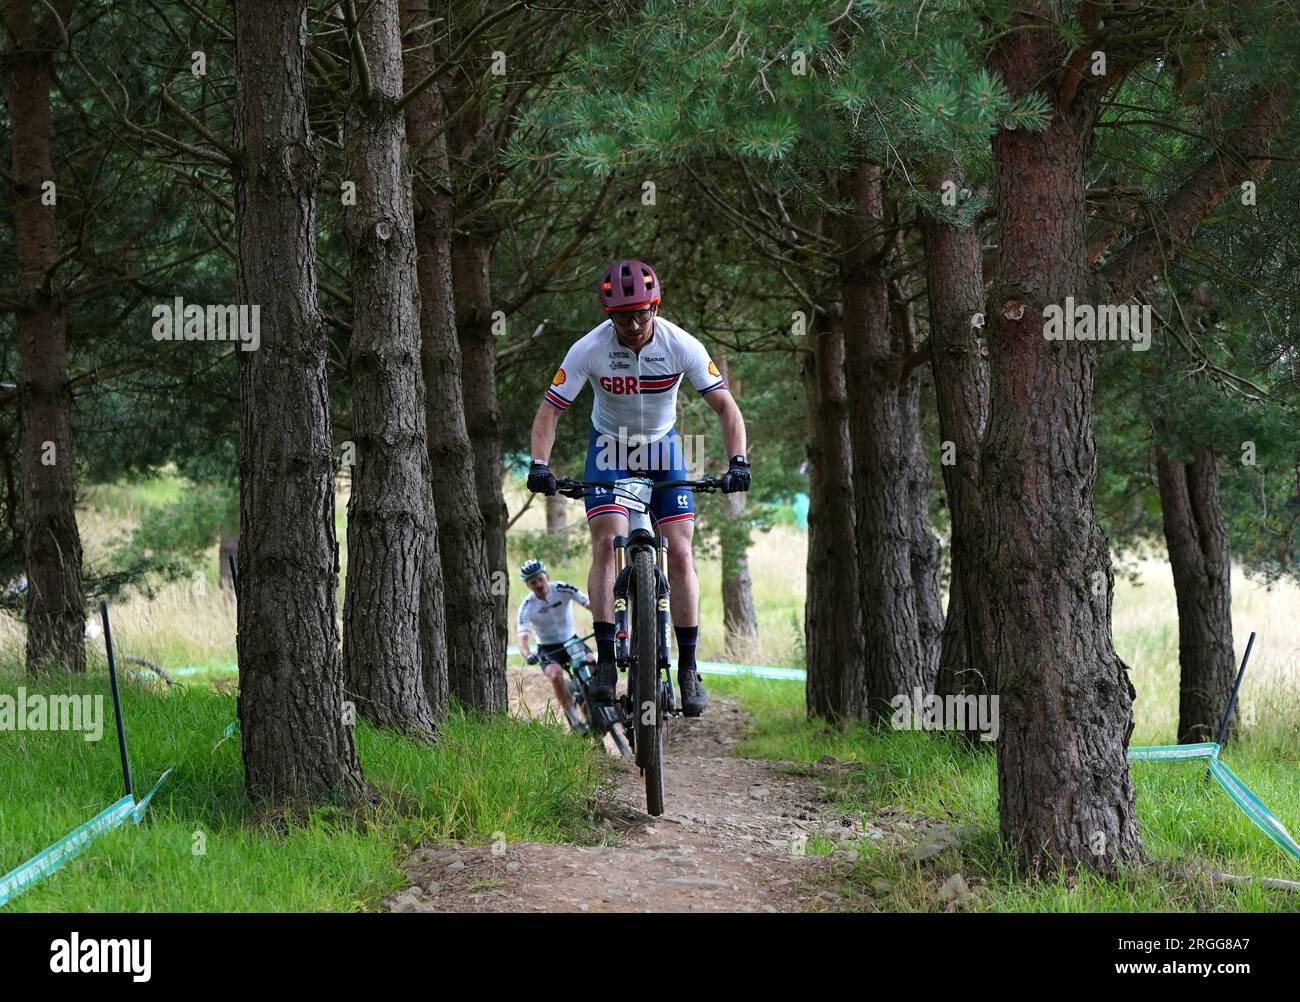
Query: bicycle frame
pixel 634 491
pixel 634 494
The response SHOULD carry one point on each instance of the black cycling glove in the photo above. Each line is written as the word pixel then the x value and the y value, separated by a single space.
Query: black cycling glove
pixel 540 479
pixel 737 478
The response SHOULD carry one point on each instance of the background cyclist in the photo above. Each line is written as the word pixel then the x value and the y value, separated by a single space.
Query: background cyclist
pixel 635 361
pixel 548 611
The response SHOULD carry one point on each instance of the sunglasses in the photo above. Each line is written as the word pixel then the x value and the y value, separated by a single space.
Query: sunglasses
pixel 626 319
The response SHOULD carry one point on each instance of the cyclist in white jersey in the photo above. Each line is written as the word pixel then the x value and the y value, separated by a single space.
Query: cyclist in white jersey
pixel 547 612
pixel 635 362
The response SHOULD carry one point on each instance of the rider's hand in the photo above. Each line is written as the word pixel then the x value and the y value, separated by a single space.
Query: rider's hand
pixel 737 478
pixel 540 479
pixel 532 659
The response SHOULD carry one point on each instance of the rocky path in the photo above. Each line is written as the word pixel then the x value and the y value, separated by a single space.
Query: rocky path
pixel 729 840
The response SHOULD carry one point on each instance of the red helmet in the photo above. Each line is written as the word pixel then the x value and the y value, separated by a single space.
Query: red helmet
pixel 628 285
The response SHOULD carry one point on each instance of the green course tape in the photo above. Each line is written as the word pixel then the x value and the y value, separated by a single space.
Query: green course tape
pixel 46 862
pixel 759 671
pixel 1253 807
pixel 194 670
pixel 1167 753
pixel 1240 793
pixel 229 730
pixel 138 812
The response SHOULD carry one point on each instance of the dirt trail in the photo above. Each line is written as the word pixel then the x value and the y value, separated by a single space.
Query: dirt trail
pixel 724 843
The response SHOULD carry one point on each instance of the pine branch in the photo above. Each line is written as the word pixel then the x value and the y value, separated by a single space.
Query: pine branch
pixel 1244 155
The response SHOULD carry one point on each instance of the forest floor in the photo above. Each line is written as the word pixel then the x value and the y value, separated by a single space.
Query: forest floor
pixel 731 838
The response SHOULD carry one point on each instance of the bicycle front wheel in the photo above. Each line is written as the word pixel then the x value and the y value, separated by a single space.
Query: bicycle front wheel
pixel 645 635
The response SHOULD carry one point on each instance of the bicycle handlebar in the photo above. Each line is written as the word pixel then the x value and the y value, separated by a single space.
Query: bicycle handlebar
pixel 578 489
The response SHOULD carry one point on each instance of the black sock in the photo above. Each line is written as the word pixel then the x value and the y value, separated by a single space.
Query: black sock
pixel 604 641
pixel 687 638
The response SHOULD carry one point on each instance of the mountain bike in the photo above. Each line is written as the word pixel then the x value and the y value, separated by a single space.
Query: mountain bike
pixel 587 717
pixel 641 621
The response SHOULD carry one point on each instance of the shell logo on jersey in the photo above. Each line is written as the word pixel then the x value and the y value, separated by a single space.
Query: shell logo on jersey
pixel 713 368
pixel 559 378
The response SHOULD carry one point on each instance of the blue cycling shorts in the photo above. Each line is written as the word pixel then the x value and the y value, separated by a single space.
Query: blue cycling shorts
pixel 609 458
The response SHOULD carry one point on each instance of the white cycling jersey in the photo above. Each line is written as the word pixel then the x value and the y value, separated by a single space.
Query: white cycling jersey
pixel 551 617
pixel 636 394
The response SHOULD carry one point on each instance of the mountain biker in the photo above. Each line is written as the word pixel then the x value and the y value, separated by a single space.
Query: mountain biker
pixel 548 610
pixel 635 361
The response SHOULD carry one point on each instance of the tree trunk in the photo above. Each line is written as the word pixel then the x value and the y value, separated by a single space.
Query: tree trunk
pixel 1065 708
pixel 832 616
pixel 391 534
pixel 55 609
pixel 739 619
pixel 895 659
pixel 1202 564
pixel 470 609
pixel 955 280
pixel 471 260
pixel 297 740
pixel 557 514
pixel 924 544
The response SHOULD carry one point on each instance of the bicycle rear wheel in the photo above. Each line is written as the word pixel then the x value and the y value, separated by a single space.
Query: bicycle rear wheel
pixel 649 721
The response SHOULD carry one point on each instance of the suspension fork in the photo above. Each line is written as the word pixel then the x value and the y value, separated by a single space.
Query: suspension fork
pixel 663 618
pixel 662 615
pixel 622 653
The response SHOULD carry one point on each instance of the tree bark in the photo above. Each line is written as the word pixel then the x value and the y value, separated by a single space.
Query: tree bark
pixel 739 618
pixel 1201 560
pixel 471 261
pixel 896 661
pixel 1066 701
pixel 955 280
pixel 832 616
pixel 557 514
pixel 297 741
pixel 55 607
pixel 388 634
pixel 923 543
pixel 1065 708
pixel 470 608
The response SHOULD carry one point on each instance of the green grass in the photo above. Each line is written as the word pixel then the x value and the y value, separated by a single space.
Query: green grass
pixel 1186 825
pixel 528 779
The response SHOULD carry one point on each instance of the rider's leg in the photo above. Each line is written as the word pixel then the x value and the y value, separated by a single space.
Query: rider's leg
pixel 685 598
pixel 600 587
pixel 560 683
pixel 684 602
pixel 600 580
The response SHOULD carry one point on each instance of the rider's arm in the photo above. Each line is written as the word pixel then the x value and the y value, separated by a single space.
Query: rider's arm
pixel 523 630
pixel 567 383
pixel 706 377
pixel 733 424
pixel 543 438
